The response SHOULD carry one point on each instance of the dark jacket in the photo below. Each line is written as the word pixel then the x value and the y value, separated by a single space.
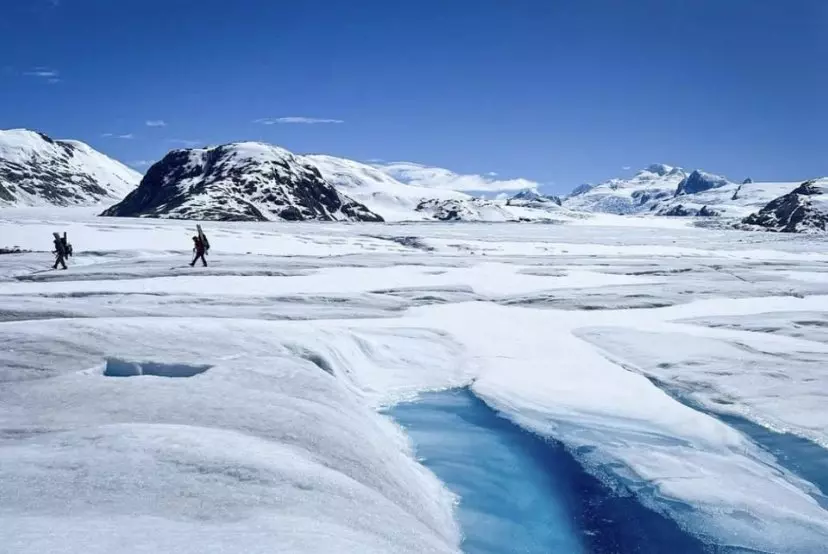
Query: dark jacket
pixel 60 248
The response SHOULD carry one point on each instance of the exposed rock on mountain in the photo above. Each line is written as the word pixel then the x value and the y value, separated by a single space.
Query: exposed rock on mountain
pixel 803 210
pixel 245 181
pixel 36 170
pixel 679 210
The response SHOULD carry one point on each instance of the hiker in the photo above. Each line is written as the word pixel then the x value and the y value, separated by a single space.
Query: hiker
pixel 199 250
pixel 60 252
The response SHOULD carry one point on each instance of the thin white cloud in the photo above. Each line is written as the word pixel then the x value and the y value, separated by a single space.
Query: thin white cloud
pixel 107 135
pixel 440 178
pixel 42 73
pixel 156 123
pixel 185 142
pixel 47 75
pixel 626 168
pixel 295 119
pixel 126 136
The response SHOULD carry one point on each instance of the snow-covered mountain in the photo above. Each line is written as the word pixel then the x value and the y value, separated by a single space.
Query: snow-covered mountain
pixel 671 191
pixel 36 170
pixel 803 210
pixel 246 181
pixel 626 196
pixel 440 178
pixel 380 192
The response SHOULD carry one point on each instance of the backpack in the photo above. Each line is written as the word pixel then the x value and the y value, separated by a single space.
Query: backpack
pixel 67 247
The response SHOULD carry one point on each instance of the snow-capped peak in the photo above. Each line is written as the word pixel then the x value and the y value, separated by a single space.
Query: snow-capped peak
pixel 660 169
pixel 245 181
pixel 38 170
pixel 623 196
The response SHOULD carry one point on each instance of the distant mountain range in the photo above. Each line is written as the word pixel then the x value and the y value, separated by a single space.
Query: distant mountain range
pixel 250 181
pixel 664 190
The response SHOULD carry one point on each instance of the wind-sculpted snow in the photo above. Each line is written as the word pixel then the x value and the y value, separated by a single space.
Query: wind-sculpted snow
pixel 148 406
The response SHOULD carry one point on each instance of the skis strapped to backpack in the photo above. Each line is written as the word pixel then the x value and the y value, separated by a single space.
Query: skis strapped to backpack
pixel 203 238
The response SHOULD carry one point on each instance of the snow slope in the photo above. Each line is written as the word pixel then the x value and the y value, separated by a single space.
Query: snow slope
pixel 36 170
pixel 731 200
pixel 381 193
pixel 439 178
pixel 253 417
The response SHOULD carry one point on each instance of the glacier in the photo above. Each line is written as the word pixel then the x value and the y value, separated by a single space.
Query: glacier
pixel 293 396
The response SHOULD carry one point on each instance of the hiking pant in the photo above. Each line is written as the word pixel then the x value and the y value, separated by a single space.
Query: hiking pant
pixel 199 255
pixel 59 259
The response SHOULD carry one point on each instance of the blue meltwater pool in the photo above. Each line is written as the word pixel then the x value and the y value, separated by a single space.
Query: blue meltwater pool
pixel 522 494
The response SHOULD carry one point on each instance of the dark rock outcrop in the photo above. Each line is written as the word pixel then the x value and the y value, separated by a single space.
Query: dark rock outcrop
pixel 679 210
pixel 238 182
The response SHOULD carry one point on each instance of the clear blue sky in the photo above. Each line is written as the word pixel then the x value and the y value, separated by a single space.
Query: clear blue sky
pixel 559 91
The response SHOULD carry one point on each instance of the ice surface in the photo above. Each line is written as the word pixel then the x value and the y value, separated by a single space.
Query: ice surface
pixel 267 443
pixel 311 330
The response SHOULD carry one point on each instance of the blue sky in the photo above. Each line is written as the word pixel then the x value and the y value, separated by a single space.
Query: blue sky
pixel 558 91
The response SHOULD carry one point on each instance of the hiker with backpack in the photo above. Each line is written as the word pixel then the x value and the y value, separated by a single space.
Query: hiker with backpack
pixel 200 247
pixel 61 251
pixel 199 250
